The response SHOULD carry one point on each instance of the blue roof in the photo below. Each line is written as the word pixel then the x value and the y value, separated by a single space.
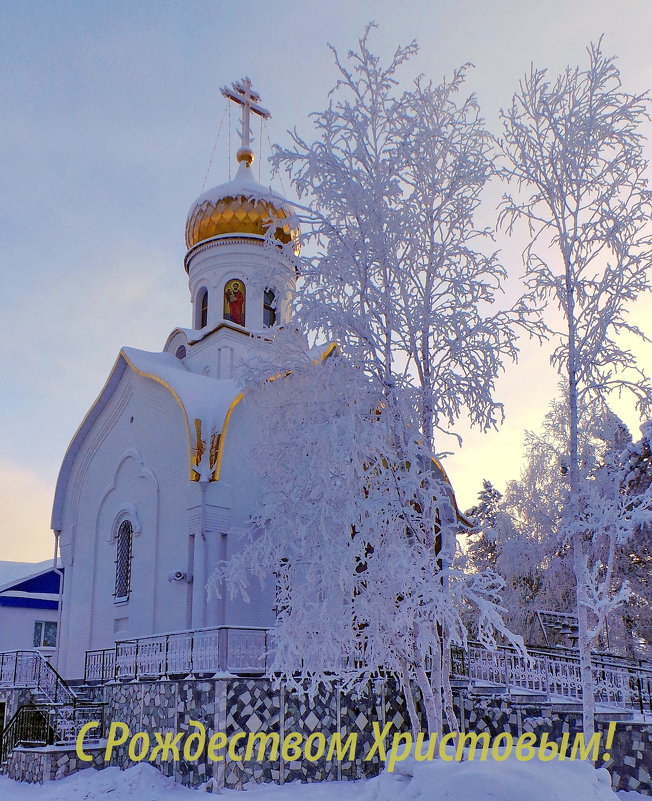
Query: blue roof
pixel 29 585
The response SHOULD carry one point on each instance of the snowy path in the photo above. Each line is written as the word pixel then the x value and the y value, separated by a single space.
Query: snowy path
pixel 436 781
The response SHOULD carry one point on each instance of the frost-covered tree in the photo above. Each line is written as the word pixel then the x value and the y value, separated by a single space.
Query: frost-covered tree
pixel 573 145
pixel 536 561
pixel 534 556
pixel 358 580
pixel 631 630
pixel 511 546
pixel 483 517
pixel 392 270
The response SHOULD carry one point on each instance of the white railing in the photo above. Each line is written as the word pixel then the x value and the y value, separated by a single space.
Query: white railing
pixel 68 721
pixel 100 666
pixel 197 652
pixel 31 669
pixel 552 674
pixel 234 649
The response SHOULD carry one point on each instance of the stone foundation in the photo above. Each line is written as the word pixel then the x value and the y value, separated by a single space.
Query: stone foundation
pixel 39 765
pixel 250 705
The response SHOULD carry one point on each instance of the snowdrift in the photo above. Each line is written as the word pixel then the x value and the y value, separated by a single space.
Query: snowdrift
pixel 411 781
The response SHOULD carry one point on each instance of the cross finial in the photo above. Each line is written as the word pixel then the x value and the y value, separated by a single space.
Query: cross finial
pixel 241 92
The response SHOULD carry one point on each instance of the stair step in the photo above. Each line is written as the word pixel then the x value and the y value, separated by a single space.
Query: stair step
pixel 486 689
pixel 528 698
pixel 566 706
pixel 606 717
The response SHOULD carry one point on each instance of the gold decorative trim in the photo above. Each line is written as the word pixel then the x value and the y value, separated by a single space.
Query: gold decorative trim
pixel 165 384
pixel 219 446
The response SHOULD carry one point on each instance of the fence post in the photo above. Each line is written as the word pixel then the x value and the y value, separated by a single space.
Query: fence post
pixel 223 648
pixel 192 651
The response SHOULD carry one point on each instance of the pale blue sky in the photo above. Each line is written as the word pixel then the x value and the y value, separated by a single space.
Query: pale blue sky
pixel 108 113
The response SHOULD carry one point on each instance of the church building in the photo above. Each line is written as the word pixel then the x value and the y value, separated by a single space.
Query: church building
pixel 152 485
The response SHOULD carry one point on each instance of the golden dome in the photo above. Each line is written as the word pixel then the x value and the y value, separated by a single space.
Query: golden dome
pixel 241 206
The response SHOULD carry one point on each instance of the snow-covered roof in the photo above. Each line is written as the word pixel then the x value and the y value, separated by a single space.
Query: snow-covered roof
pixel 245 185
pixel 200 398
pixel 14 572
pixel 205 402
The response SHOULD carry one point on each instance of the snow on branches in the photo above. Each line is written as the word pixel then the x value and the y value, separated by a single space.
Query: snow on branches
pixel 397 270
pixel 573 147
pixel 357 518
pixel 358 529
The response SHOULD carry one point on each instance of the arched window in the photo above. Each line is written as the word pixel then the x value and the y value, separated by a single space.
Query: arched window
pixel 235 295
pixel 123 561
pixel 202 308
pixel 269 308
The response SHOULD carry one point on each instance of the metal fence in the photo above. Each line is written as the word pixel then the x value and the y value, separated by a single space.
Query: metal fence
pixel 547 671
pixel 52 724
pixel 551 672
pixel 198 652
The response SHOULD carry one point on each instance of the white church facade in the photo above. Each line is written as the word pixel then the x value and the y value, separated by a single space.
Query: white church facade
pixel 153 485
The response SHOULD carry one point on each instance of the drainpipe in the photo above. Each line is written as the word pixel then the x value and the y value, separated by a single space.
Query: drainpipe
pixel 204 555
pixel 59 572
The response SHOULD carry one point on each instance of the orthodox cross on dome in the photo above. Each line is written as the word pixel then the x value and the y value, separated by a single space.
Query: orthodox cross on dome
pixel 242 93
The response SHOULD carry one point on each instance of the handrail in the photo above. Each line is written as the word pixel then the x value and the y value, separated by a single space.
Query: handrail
pixel 27 720
pixel 220 627
pixel 242 649
pixel 626 683
pixel 48 724
pixel 23 668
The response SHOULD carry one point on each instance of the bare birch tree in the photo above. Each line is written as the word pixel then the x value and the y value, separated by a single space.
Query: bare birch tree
pixel 573 146
pixel 397 275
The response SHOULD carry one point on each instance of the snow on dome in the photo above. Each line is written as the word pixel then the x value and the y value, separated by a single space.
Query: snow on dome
pixel 240 206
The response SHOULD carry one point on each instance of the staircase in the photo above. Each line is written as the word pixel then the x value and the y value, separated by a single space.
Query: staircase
pixel 56 712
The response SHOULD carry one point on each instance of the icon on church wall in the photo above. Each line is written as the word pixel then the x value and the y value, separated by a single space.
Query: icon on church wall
pixel 234 302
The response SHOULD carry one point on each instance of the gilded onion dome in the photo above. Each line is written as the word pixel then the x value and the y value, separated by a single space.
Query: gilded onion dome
pixel 240 206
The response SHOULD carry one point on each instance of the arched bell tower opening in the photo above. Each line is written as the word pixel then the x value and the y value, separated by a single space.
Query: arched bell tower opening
pixel 269 308
pixel 201 308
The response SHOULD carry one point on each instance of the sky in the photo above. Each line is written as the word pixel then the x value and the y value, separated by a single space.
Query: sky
pixel 108 119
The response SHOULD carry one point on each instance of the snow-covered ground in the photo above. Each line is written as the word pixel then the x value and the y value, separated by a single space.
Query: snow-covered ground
pixel 432 781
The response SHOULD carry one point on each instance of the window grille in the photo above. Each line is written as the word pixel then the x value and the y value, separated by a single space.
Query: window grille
pixel 123 561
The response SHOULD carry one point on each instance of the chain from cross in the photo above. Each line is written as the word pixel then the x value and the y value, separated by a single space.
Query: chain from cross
pixel 242 93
